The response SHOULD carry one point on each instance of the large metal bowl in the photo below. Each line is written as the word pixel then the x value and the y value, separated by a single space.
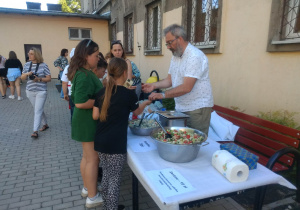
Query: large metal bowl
pixel 139 131
pixel 178 153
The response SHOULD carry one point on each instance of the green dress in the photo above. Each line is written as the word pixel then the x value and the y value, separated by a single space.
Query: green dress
pixel 85 85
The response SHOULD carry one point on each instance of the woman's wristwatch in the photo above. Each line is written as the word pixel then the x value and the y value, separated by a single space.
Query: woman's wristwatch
pixel 163 94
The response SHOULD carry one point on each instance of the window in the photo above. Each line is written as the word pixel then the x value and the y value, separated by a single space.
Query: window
pixel 114 31
pixel 27 47
pixel 153 28
pixel 79 33
pixel 128 34
pixel 284 31
pixel 202 22
pixel 290 28
pixel 94 5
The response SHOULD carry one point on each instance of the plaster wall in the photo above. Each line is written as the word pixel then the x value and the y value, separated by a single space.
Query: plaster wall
pixel 50 32
pixel 243 74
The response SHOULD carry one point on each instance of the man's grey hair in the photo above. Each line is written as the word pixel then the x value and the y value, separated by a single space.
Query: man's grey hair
pixel 176 30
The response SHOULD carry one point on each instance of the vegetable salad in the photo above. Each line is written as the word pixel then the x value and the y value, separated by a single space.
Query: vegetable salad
pixel 147 123
pixel 180 137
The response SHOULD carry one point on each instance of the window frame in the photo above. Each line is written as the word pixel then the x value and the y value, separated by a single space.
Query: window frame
pixel 128 40
pixel 212 46
pixel 79 33
pixel 275 41
pixel 292 18
pixel 113 31
pixel 149 49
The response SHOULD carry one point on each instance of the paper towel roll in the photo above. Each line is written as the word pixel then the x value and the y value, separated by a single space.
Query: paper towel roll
pixel 229 166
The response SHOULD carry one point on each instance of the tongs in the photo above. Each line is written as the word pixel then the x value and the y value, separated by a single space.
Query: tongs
pixel 167 135
pixel 141 120
pixel 150 114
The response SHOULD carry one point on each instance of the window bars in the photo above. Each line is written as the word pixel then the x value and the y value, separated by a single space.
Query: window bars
pixel 114 31
pixel 153 26
pixel 202 22
pixel 128 35
pixel 290 25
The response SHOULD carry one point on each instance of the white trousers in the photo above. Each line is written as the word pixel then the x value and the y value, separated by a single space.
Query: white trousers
pixel 38 99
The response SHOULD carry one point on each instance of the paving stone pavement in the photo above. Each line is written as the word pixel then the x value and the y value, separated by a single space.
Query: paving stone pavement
pixel 44 173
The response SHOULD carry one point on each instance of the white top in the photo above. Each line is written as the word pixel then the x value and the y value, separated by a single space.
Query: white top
pixel 64 78
pixel 200 173
pixel 2 64
pixel 193 63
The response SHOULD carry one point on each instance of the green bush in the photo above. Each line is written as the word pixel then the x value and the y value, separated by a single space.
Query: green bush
pixel 282 117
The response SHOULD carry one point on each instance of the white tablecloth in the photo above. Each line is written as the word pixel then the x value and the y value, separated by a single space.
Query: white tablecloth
pixel 200 173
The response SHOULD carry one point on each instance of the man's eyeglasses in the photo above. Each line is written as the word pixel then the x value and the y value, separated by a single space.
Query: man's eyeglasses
pixel 170 42
pixel 89 42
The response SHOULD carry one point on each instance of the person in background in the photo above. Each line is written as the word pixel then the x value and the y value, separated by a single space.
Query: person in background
pixel 13 67
pixel 112 107
pixel 38 74
pixel 61 62
pixel 117 50
pixel 85 85
pixel 66 86
pixel 100 70
pixel 3 74
pixel 189 78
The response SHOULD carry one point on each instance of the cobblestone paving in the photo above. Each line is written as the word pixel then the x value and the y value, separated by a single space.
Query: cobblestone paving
pixel 44 173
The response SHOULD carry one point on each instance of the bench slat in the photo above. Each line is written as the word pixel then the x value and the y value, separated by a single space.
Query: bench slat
pixel 267 151
pixel 265 123
pixel 261 139
pixel 262 159
pixel 271 134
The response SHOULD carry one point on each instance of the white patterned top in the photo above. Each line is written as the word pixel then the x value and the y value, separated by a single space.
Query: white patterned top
pixel 193 63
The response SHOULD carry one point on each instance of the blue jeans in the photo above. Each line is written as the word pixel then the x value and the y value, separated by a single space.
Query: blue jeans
pixel 61 92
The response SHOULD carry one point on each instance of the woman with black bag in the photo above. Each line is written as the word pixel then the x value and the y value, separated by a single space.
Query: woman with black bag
pixel 38 74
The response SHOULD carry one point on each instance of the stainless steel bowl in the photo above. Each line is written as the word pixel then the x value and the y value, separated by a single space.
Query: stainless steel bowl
pixel 178 153
pixel 139 131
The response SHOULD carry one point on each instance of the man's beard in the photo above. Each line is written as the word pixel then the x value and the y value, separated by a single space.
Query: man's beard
pixel 178 52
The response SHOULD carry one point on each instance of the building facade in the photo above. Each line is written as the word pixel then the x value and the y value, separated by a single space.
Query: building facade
pixel 49 31
pixel 253 47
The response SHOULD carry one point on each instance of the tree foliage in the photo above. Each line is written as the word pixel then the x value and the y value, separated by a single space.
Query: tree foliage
pixel 70 6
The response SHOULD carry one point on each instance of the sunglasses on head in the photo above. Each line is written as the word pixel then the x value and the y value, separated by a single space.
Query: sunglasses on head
pixel 116 42
pixel 89 42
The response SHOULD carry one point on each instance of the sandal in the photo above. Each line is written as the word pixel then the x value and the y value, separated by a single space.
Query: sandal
pixel 45 127
pixel 35 135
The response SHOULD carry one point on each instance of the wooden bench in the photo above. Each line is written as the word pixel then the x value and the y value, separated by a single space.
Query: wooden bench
pixel 276 145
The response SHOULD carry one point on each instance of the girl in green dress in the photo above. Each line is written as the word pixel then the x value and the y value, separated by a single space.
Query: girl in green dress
pixel 85 85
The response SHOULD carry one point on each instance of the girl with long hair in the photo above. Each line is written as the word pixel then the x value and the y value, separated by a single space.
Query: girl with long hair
pixel 85 85
pixel 112 107
pixel 14 69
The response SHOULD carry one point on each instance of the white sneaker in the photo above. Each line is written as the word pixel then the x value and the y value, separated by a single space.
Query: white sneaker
pixel 84 193
pixel 97 202
pixel 20 98
pixel 11 97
